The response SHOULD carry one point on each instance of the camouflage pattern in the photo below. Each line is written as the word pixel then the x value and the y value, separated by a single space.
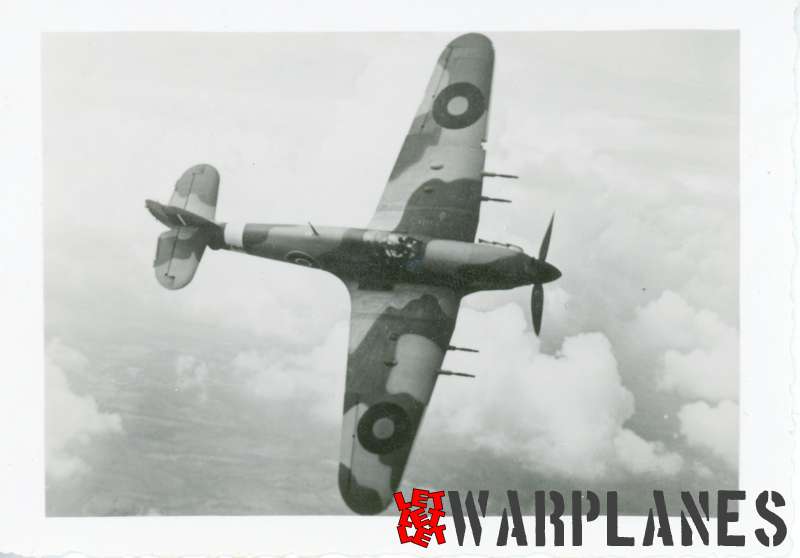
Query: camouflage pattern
pixel 406 272
pixel 196 191
pixel 190 216
pixel 405 291
pixel 380 260
pixel 435 185
pixel 398 340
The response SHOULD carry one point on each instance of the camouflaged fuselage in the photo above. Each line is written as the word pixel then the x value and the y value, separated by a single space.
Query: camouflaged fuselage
pixel 377 260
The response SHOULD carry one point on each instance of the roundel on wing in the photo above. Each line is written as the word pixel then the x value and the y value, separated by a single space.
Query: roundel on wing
pixel 301 258
pixel 458 105
pixel 383 428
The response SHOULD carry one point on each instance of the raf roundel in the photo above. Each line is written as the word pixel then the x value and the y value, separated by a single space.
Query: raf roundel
pixel 301 258
pixel 384 428
pixel 458 105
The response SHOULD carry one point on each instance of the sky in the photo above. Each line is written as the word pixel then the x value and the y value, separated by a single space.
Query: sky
pixel 225 398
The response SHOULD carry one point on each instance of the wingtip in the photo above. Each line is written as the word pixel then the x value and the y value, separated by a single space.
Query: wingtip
pixel 472 40
pixel 361 499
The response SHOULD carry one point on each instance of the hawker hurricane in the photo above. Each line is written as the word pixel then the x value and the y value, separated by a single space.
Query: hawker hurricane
pixel 406 271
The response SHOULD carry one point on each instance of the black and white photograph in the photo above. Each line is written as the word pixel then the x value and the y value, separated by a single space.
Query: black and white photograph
pixel 313 278
pixel 185 376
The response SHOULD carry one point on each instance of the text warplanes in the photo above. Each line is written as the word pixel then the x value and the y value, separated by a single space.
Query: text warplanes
pixel 406 271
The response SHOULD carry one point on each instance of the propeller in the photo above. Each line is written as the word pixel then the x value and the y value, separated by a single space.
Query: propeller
pixel 537 306
pixel 543 273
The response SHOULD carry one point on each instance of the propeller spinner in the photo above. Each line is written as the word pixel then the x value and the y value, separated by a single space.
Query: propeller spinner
pixel 543 273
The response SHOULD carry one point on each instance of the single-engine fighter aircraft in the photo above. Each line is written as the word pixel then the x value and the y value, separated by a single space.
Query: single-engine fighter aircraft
pixel 406 271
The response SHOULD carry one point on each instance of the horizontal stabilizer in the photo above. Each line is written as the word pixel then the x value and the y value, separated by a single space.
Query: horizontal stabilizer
pixel 173 216
pixel 178 254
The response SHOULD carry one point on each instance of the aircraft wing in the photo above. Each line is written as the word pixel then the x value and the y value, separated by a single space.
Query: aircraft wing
pixel 435 185
pixel 398 340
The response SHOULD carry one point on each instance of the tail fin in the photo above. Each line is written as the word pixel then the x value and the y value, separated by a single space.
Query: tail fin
pixel 190 218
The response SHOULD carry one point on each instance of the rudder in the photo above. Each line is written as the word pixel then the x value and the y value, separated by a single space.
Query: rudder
pixel 196 191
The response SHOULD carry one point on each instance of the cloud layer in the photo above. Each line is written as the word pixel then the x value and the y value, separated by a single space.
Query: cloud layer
pixel 565 413
pixel 314 378
pixel 71 419
pixel 712 428
pixel 631 138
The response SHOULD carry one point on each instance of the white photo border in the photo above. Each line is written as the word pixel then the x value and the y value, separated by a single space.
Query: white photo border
pixel 767 254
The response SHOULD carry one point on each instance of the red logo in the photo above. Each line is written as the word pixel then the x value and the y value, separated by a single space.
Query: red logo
pixel 420 516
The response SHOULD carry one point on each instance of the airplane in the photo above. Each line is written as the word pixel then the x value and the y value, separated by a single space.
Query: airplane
pixel 406 272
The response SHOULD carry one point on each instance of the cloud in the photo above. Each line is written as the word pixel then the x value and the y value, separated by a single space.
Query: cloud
pixel 711 375
pixel 715 429
pixel 278 373
pixel 191 375
pixel 639 456
pixel 670 322
pixel 702 470
pixel 699 352
pixel 71 419
pixel 564 414
pixel 315 377
pixel 644 186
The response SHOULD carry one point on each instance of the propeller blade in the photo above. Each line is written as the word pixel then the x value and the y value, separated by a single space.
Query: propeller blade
pixel 546 240
pixel 537 305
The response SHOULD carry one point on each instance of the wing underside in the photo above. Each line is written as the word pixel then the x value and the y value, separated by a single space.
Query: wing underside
pixel 398 340
pixel 435 186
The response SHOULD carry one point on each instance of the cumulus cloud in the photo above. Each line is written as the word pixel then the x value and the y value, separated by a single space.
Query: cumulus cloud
pixel 639 456
pixel 699 351
pixel 70 419
pixel 643 184
pixel 713 428
pixel 564 414
pixel 707 374
pixel 671 322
